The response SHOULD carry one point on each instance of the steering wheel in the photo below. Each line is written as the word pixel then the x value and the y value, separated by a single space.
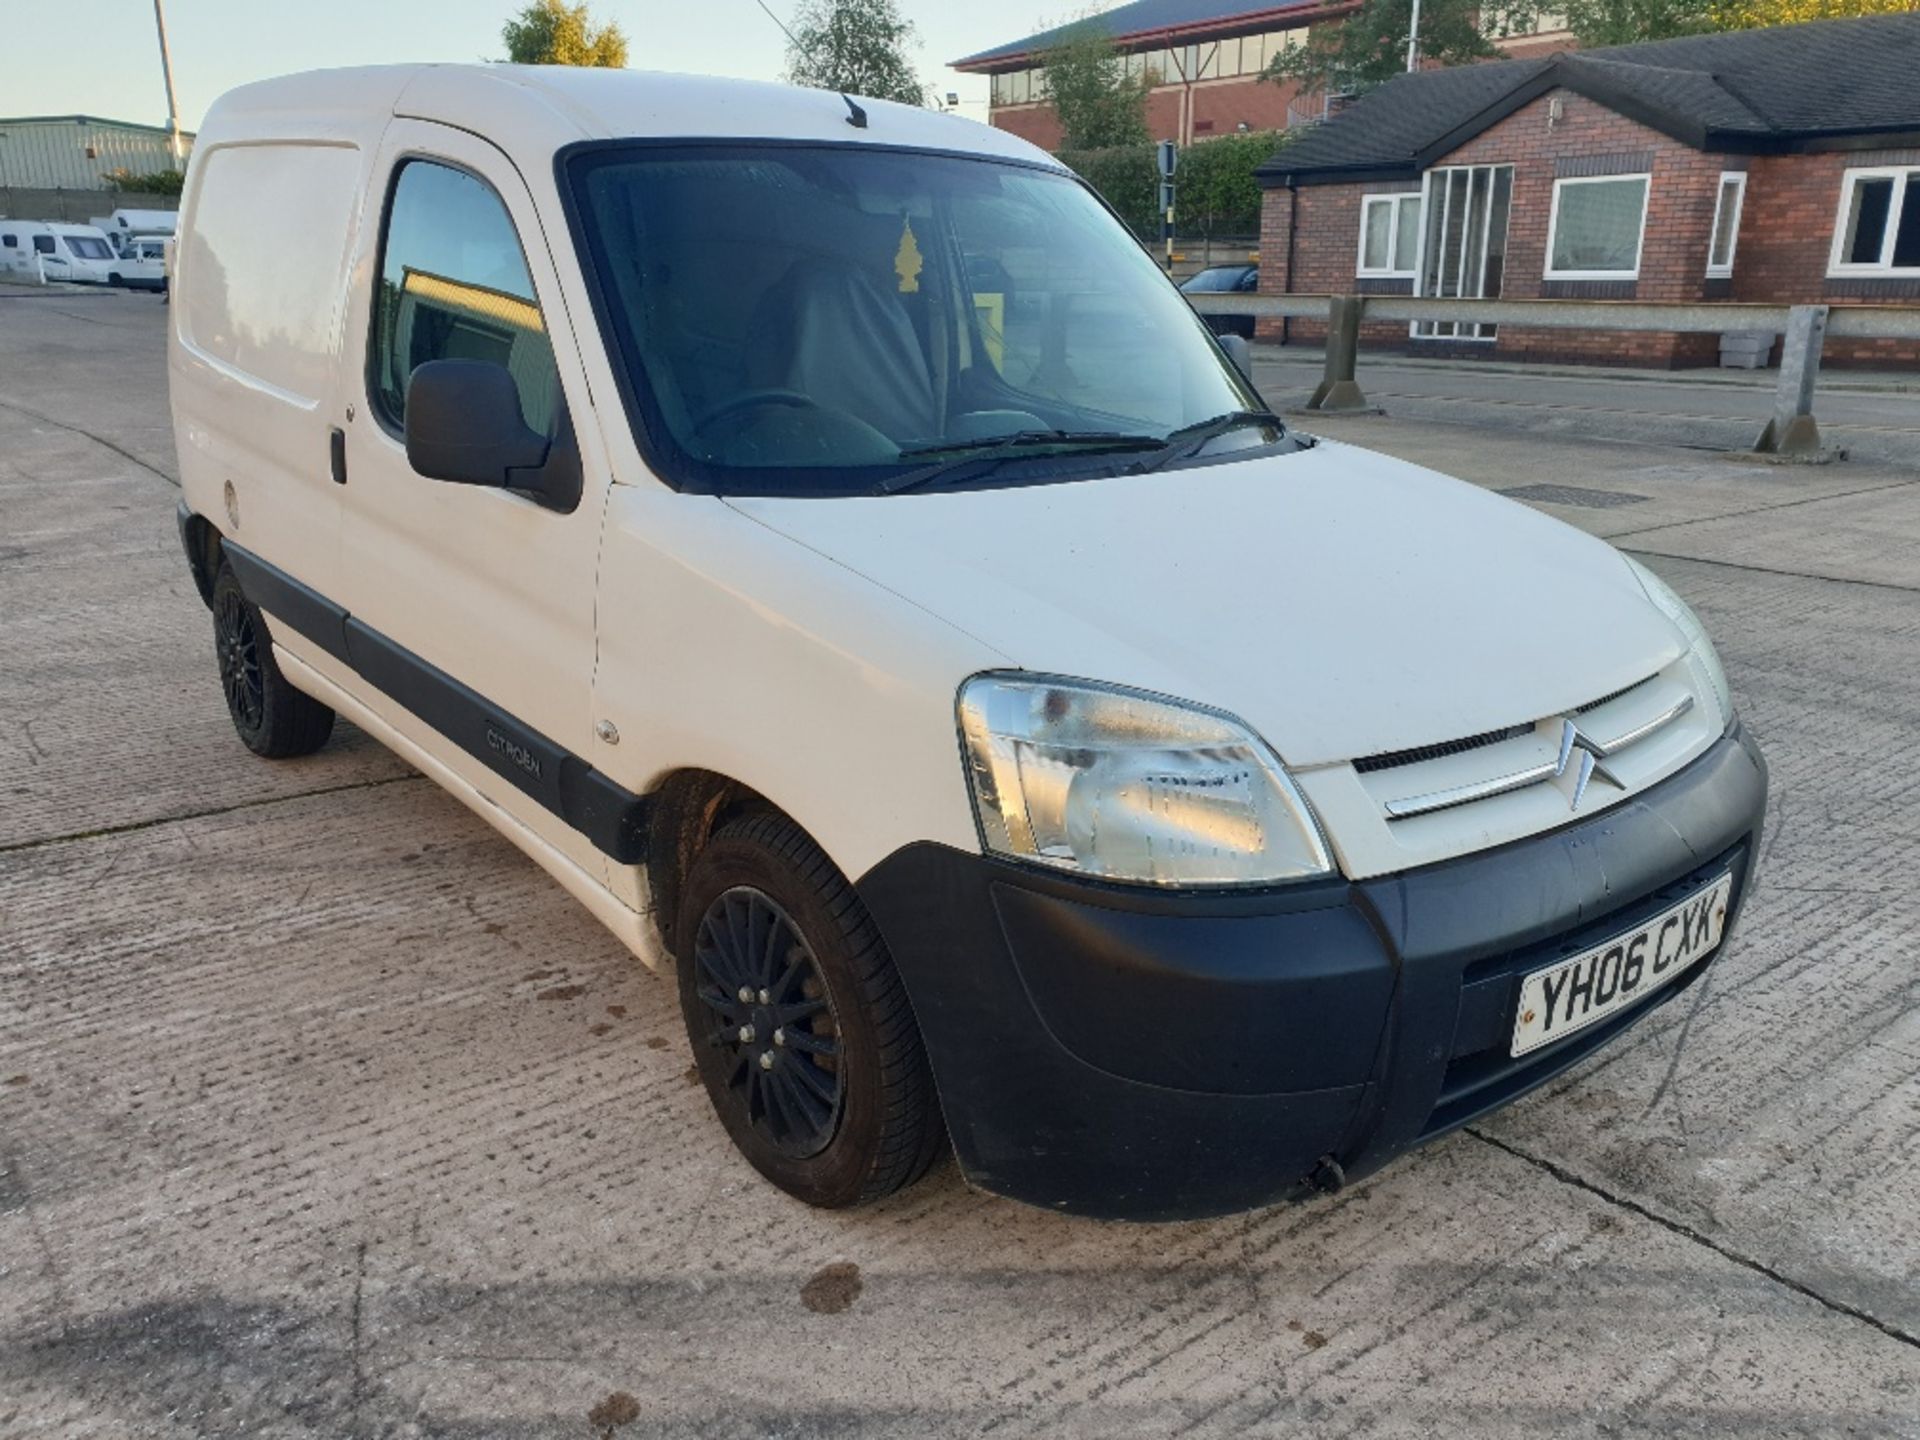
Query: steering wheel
pixel 746 399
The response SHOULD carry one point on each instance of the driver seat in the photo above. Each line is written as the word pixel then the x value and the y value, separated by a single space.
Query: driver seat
pixel 829 330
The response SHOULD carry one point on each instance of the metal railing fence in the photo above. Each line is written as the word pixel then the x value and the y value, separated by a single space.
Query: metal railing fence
pixel 1790 430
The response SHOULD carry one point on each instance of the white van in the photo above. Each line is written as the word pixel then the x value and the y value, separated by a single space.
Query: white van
pixel 818 534
pixel 141 264
pixel 55 250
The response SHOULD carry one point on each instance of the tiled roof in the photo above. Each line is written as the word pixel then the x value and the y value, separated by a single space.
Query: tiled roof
pixel 1742 91
pixel 1146 18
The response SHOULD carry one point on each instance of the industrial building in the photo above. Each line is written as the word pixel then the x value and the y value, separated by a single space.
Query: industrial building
pixel 80 152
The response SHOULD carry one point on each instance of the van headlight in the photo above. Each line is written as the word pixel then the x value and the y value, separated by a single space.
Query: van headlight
pixel 1706 659
pixel 1127 786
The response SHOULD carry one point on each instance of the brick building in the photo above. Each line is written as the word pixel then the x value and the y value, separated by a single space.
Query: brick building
pixel 1775 166
pixel 1202 61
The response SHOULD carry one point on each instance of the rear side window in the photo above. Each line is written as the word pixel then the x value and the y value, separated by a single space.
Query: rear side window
pixel 11 242
pixel 262 261
pixel 43 244
pixel 454 286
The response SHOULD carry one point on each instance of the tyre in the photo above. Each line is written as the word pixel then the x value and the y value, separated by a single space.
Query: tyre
pixel 273 719
pixel 800 1027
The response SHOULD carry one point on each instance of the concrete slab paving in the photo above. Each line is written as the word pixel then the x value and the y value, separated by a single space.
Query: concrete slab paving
pixel 324 1113
pixel 1870 536
pixel 111 712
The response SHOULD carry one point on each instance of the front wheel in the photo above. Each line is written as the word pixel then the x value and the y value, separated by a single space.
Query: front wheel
pixel 800 1027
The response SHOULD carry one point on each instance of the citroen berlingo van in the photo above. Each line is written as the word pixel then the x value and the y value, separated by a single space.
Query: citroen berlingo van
pixel 815 532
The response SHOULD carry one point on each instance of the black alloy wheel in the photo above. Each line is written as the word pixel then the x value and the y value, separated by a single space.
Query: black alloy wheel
pixel 271 717
pixel 801 1030
pixel 237 646
pixel 773 1018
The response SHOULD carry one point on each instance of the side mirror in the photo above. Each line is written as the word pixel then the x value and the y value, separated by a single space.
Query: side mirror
pixel 1239 353
pixel 464 426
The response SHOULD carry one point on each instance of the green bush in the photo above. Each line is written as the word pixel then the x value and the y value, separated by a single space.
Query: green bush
pixel 160 182
pixel 1214 194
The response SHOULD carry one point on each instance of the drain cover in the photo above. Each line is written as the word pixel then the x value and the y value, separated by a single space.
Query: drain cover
pixel 1576 495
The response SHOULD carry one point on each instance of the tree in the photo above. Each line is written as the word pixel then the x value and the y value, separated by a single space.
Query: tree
pixel 1626 22
pixel 1369 46
pixel 549 32
pixel 1752 14
pixel 857 47
pixel 1098 105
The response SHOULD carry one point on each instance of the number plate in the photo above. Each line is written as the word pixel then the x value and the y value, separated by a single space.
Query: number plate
pixel 1573 994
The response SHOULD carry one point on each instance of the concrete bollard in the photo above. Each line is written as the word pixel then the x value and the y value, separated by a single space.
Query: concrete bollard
pixel 1792 430
pixel 1338 390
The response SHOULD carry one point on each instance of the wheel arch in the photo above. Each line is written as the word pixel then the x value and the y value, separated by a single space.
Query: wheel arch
pixel 685 810
pixel 201 540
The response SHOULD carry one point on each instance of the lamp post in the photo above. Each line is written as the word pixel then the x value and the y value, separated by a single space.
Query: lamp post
pixel 166 72
pixel 1413 38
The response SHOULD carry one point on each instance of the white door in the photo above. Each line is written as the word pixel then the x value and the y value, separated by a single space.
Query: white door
pixel 483 588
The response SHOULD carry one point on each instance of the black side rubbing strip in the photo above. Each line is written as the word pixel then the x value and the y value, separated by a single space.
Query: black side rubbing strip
pixel 284 597
pixel 613 818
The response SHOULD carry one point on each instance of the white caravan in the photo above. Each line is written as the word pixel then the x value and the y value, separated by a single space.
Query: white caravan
pixel 55 250
pixel 815 532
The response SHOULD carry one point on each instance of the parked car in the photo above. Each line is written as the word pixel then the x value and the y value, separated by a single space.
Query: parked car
pixel 55 250
pixel 141 265
pixel 1226 280
pixel 819 536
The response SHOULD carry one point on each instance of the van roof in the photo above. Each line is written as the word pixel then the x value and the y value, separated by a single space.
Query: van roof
pixel 533 110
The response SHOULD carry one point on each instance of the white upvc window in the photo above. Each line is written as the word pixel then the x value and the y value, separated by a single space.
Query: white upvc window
pixel 1730 200
pixel 1389 236
pixel 1597 226
pixel 1877 231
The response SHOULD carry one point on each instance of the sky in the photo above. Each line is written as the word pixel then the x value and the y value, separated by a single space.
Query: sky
pixel 100 57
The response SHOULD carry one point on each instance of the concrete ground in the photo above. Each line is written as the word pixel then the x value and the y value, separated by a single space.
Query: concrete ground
pixel 324 1113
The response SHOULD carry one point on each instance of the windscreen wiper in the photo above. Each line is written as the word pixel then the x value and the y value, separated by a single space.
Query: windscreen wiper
pixel 1190 440
pixel 999 447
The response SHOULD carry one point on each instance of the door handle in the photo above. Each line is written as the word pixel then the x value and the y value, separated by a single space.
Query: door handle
pixel 337 454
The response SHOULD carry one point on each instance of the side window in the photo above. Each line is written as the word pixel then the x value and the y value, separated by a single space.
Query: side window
pixel 11 242
pixel 454 286
pixel 43 244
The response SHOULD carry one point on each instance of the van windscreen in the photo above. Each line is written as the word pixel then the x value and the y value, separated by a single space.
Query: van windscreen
pixel 819 319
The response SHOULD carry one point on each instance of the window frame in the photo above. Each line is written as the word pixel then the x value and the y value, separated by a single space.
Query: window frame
pixel 370 369
pixel 1902 176
pixel 1395 200
pixel 1640 242
pixel 1724 270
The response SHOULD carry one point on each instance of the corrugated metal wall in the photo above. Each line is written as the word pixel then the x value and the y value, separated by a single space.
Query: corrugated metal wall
pixel 52 154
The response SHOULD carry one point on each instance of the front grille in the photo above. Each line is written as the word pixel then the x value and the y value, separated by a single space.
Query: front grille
pixel 1395 758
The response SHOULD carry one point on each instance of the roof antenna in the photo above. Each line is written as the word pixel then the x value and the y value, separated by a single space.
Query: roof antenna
pixel 856 116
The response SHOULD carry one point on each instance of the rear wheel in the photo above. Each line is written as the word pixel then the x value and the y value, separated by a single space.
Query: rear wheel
pixel 800 1027
pixel 272 718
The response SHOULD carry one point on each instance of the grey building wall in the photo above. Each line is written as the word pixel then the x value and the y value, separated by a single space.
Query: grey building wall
pixel 78 207
pixel 52 152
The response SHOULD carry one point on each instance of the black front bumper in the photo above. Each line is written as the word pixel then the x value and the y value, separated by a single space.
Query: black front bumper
pixel 1155 1056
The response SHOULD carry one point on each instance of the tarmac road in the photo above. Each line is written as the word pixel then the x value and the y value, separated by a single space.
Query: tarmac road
pixel 324 1113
